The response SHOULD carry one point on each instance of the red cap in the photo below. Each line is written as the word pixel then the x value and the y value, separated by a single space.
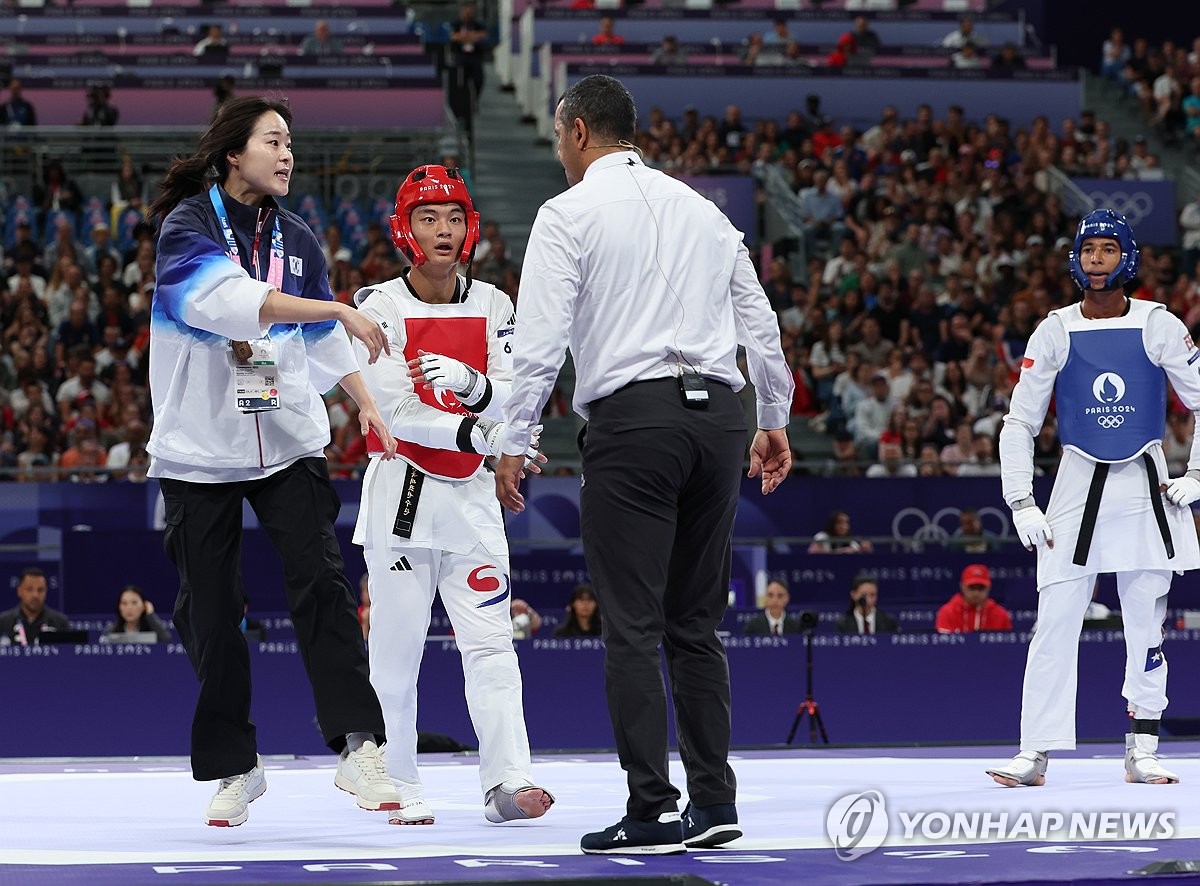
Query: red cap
pixel 977 574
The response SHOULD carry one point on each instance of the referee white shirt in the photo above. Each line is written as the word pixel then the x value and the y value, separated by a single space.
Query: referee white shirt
pixel 634 270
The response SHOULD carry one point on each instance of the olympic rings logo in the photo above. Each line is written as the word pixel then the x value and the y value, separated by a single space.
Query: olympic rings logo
pixel 1135 207
pixel 916 525
pixel 1111 422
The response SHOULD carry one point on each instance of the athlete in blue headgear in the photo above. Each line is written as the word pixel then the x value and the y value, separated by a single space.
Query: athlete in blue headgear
pixel 1106 359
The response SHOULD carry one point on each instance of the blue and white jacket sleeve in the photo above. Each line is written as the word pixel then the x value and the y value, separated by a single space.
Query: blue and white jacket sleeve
pixel 330 356
pixel 199 286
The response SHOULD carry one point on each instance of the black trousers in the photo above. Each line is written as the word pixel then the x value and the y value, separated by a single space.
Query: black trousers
pixel 297 507
pixel 660 489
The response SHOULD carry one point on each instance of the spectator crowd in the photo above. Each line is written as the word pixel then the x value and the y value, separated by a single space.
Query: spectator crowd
pixel 926 251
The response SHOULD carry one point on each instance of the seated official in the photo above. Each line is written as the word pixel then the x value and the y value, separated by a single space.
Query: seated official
pixel 583 614
pixel 774 619
pixel 25 624
pixel 863 616
pixel 135 615
pixel 971 609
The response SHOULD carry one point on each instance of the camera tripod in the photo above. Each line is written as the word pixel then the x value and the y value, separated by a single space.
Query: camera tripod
pixel 809 706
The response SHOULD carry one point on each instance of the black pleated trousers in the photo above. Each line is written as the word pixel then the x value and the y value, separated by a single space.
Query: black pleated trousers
pixel 297 507
pixel 660 490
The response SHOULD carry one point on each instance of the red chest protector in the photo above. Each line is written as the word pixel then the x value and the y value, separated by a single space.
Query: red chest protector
pixel 464 339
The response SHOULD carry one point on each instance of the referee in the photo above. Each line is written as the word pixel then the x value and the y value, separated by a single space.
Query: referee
pixel 653 290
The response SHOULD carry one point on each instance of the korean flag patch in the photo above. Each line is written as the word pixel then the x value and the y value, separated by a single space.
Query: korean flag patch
pixel 296 263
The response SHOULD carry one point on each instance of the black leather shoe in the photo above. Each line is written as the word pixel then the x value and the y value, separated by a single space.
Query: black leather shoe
pixel 631 836
pixel 707 826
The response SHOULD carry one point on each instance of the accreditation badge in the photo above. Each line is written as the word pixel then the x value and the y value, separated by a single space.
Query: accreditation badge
pixel 255 383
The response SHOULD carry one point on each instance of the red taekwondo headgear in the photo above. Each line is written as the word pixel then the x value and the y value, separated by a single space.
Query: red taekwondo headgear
pixel 432 184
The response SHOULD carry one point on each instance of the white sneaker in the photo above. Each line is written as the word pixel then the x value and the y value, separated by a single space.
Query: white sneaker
pixel 1027 768
pixel 230 805
pixel 1141 761
pixel 414 811
pixel 364 774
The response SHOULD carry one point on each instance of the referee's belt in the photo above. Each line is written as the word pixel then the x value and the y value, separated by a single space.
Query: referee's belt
pixel 673 379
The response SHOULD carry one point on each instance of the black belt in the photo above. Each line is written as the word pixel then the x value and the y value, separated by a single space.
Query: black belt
pixel 664 380
pixel 1091 510
pixel 406 513
pixel 673 379
pixel 1160 513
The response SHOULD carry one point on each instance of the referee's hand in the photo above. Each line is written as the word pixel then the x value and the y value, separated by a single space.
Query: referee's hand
pixel 770 456
pixel 509 471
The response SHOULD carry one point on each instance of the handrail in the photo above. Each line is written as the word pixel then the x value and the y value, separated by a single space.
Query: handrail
pixel 334 161
pixel 1075 200
pixel 1188 185
pixel 783 201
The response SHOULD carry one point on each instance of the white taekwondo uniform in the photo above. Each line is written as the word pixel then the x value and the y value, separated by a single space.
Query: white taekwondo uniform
pixel 1109 379
pixel 429 522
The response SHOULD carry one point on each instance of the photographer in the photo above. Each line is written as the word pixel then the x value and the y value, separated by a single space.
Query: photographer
pixel 862 616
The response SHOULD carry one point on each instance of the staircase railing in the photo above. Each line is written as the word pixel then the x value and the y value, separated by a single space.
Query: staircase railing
pixel 1075 201
pixel 1187 186
pixel 783 219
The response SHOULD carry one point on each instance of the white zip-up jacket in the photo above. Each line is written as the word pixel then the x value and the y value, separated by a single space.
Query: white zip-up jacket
pixel 202 300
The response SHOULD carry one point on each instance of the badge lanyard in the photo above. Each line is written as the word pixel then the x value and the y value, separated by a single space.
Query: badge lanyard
pixel 256 387
pixel 275 268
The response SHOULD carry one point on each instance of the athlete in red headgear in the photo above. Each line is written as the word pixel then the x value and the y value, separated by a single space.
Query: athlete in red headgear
pixel 429 521
pixel 432 185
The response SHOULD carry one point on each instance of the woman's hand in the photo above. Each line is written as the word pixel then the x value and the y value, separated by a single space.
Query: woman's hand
pixel 367 331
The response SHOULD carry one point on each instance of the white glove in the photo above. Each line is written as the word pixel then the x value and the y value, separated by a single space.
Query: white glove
pixel 1032 527
pixel 535 442
pixel 441 371
pixel 1182 491
pixel 485 435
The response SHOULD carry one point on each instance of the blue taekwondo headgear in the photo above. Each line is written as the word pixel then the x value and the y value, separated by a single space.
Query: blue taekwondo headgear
pixel 1112 225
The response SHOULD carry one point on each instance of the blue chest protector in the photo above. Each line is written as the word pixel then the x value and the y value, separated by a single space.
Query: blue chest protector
pixel 1111 400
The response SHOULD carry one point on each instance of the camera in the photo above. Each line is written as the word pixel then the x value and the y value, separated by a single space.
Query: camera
pixel 808 620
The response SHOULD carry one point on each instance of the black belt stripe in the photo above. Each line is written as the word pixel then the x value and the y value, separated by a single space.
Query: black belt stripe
pixel 1091 509
pixel 406 514
pixel 1160 513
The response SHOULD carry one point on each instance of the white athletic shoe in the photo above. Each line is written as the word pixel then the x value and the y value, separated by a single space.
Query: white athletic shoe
pixel 230 805
pixel 364 774
pixel 413 811
pixel 1141 761
pixel 1027 768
